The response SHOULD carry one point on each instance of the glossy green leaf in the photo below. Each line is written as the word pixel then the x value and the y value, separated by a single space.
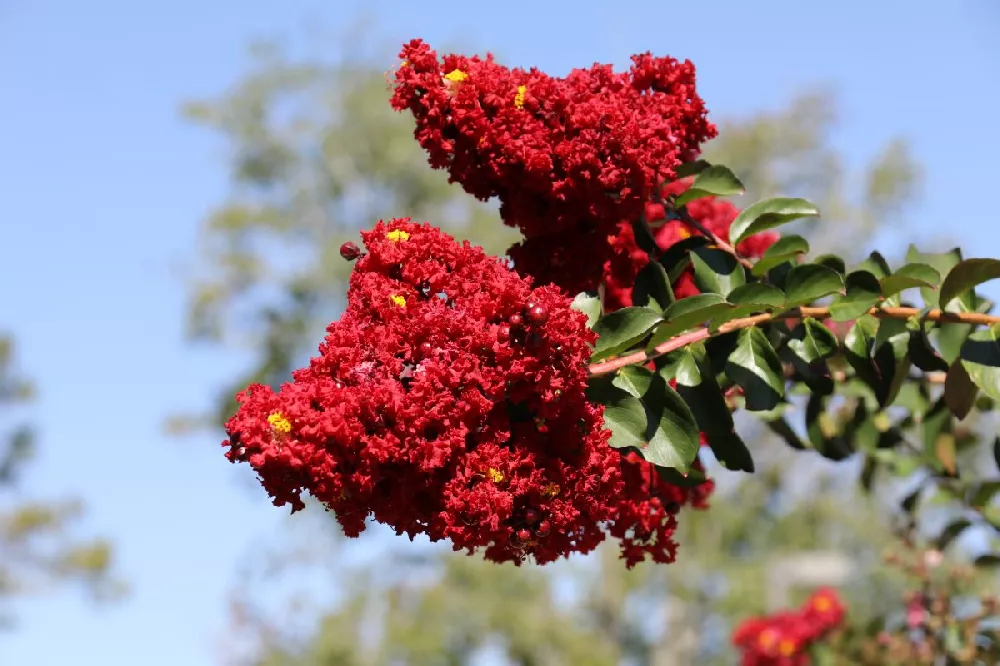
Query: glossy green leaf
pixel 756 368
pixel 634 380
pixel 831 261
pixel 942 262
pixel 676 258
pixel 691 169
pixel 716 272
pixel 696 384
pixel 807 283
pixel 812 341
pixel 923 354
pixel 652 288
pixel 966 275
pixel 786 248
pixel 694 477
pixel 759 294
pixel 876 265
pixel 863 292
pixel 768 214
pixel 911 276
pixel 981 358
pixel 589 303
pixel 688 313
pixel 623 328
pixel 959 390
pixel 715 180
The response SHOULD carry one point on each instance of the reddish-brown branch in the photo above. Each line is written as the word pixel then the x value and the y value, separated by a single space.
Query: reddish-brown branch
pixel 686 218
pixel 701 334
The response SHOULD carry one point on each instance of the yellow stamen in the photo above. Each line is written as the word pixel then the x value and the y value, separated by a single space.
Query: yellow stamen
pixel 519 97
pixel 397 235
pixel 822 604
pixel 404 63
pixel 398 300
pixel 279 423
pixel 786 648
pixel 456 76
pixel 551 490
pixel 496 476
pixel 683 232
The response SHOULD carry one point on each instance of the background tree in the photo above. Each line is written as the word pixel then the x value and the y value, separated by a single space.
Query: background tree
pixel 38 545
pixel 316 153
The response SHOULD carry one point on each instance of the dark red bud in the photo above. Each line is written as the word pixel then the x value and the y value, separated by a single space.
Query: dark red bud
pixel 543 529
pixel 426 348
pixel 537 314
pixel 350 251
pixel 503 332
pixel 515 320
pixel 531 516
pixel 523 534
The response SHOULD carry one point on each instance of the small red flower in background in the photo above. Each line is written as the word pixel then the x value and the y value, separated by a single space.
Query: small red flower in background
pixel 783 639
pixel 449 401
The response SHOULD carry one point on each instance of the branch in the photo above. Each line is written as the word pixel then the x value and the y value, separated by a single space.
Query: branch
pixel 686 218
pixel 685 339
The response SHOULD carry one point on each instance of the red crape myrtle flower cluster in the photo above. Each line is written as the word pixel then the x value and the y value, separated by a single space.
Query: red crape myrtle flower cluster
pixel 566 157
pixel 783 639
pixel 449 401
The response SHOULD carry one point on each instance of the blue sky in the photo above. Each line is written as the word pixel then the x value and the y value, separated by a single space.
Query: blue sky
pixel 104 186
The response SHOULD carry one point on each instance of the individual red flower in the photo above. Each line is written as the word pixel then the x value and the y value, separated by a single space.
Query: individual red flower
pixel 449 401
pixel 824 609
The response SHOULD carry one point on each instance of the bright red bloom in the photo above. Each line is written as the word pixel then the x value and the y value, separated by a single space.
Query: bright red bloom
pixel 449 401
pixel 557 152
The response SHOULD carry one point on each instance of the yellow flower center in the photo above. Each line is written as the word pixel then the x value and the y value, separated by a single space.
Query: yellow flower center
pixel 519 97
pixel 456 76
pixel 397 235
pixel 398 300
pixel 683 232
pixel 786 648
pixel 279 423
pixel 495 475
pixel 822 604
pixel 551 490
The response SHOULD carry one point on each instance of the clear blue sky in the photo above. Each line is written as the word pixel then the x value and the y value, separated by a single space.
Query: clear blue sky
pixel 103 187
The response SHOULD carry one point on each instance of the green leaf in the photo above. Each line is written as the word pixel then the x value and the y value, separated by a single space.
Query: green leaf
pixel 644 237
pixel 716 271
pixel 652 288
pixel 621 329
pixel 589 303
pixel 988 561
pixel 951 532
pixel 768 214
pixel 693 478
pixel 982 493
pixel 959 390
pixel 981 357
pixel 688 313
pixel 786 249
pixel 965 276
pixel 909 277
pixel 657 422
pixel 697 386
pixel 923 354
pixel 782 429
pixel 807 283
pixel 755 366
pixel 690 169
pixel 996 451
pixel 758 294
pixel 863 293
pixel 812 341
pixel 715 180
pixel 831 261
pixel 876 265
pixel 676 257
pixel 942 262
